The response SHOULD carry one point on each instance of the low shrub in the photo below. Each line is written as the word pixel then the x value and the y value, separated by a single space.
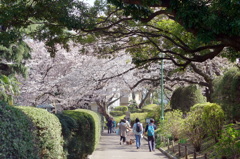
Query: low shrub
pixel 155 114
pixel 48 131
pixel 121 108
pixel 150 107
pixel 85 137
pixel 17 138
pixel 204 119
pixel 118 118
pixel 140 116
pixel 172 124
pixel 229 143
pixel 117 113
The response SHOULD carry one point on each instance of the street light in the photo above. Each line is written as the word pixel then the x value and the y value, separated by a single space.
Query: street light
pixel 162 108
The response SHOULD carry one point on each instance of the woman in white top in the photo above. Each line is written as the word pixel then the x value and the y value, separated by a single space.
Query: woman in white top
pixel 138 131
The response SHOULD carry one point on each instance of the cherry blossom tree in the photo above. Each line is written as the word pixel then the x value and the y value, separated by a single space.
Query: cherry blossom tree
pixel 72 79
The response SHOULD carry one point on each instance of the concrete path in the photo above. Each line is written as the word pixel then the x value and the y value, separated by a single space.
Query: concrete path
pixel 109 148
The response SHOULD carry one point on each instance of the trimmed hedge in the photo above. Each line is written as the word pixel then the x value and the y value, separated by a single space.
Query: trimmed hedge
pixel 17 139
pixel 85 137
pixel 150 107
pixel 140 116
pixel 118 118
pixel 117 113
pixel 121 108
pixel 48 132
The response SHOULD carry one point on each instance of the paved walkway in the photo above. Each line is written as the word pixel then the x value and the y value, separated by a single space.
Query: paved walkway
pixel 109 148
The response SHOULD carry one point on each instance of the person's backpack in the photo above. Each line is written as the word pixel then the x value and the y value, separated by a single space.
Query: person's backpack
pixel 150 130
pixel 138 128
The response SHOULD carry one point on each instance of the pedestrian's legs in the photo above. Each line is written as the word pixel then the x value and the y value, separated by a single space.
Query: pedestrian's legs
pixel 124 139
pixel 108 129
pixel 140 140
pixel 113 129
pixel 137 141
pixel 121 137
pixel 150 144
pixel 153 144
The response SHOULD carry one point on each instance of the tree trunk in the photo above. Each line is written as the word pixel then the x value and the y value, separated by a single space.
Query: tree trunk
pixel 103 112
pixel 102 109
pixel 144 99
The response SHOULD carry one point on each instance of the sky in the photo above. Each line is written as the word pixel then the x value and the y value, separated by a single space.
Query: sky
pixel 91 2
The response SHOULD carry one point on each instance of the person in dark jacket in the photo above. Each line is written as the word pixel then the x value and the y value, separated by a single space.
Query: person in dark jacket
pixel 109 125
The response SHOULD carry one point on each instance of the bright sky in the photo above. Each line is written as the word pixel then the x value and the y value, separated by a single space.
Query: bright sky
pixel 91 2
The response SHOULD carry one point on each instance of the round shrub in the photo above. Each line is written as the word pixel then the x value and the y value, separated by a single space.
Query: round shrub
pixel 227 93
pixel 184 98
pixel 17 138
pixel 49 132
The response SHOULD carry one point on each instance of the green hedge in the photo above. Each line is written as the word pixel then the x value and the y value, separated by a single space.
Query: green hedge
pixel 85 137
pixel 121 108
pixel 16 137
pixel 150 107
pixel 68 126
pixel 117 113
pixel 204 119
pixel 140 116
pixel 48 132
pixel 183 98
pixel 227 93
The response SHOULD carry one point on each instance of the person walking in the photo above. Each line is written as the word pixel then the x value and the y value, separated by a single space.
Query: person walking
pixel 123 131
pixel 138 131
pixel 128 125
pixel 150 129
pixel 114 126
pixel 109 125
pixel 127 122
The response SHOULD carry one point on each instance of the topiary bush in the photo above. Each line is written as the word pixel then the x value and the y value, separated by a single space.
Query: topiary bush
pixel 121 108
pixel 227 93
pixel 48 132
pixel 150 107
pixel 117 113
pixel 85 137
pixel 141 116
pixel 184 98
pixel 17 137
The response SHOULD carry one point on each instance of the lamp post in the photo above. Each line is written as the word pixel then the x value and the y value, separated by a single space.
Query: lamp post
pixel 162 107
